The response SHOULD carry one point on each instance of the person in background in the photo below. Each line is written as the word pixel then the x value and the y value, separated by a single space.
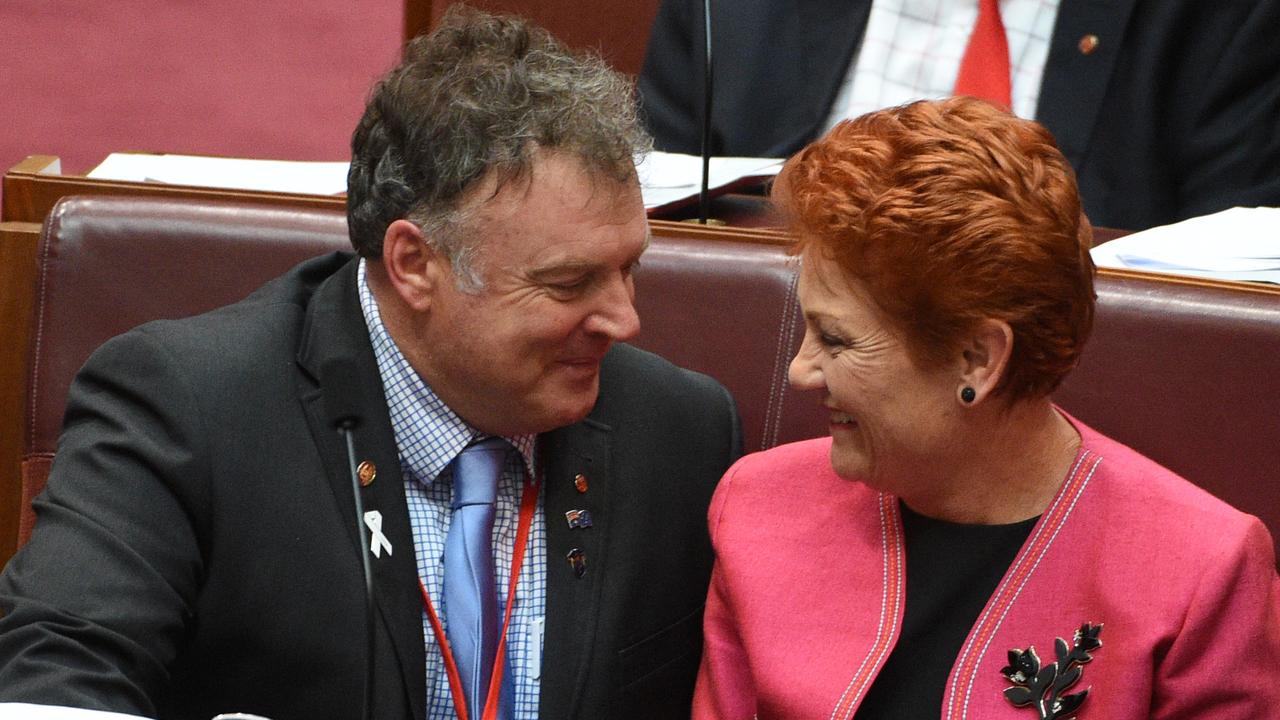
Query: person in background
pixel 196 549
pixel 1167 109
pixel 960 547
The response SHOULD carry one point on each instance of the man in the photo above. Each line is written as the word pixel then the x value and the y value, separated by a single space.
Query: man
pixel 195 551
pixel 1167 109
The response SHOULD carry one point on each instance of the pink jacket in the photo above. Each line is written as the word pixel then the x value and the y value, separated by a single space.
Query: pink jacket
pixel 807 595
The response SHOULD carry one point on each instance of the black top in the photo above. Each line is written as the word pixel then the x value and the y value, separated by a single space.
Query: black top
pixel 952 570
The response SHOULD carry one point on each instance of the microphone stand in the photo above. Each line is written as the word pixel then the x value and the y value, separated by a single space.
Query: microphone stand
pixel 345 428
pixel 342 404
pixel 704 196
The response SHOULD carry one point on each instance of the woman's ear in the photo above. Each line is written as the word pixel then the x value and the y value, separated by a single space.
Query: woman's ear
pixel 985 356
pixel 414 268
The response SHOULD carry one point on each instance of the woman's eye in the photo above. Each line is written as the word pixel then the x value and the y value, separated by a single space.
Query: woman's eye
pixel 831 341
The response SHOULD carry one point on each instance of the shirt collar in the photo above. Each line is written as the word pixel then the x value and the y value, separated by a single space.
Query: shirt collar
pixel 428 433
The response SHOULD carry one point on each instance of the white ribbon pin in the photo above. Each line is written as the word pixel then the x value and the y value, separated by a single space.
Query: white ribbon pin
pixel 377 541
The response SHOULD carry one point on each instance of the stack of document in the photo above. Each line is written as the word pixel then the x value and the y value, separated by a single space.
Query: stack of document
pixel 1235 244
pixel 670 179
pixel 666 179
pixel 287 176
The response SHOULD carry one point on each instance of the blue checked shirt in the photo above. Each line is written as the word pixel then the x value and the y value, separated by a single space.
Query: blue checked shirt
pixel 428 437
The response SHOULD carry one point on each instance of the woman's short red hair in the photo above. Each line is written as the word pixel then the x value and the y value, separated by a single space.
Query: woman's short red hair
pixel 951 212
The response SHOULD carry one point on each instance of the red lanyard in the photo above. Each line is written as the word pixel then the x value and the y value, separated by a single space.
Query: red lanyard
pixel 528 503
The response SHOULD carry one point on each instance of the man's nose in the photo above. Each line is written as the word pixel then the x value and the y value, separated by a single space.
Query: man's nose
pixel 616 317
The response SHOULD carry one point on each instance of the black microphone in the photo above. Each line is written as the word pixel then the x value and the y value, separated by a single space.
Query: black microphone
pixel 704 195
pixel 342 405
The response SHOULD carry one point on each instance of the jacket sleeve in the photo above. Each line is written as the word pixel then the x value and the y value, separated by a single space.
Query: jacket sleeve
pixel 724 689
pixel 1230 154
pixel 1222 663
pixel 95 607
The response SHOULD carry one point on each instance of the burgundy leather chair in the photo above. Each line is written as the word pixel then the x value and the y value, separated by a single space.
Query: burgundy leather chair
pixel 108 264
pixel 1186 372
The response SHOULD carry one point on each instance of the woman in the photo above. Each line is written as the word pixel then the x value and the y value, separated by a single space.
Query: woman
pixel 906 566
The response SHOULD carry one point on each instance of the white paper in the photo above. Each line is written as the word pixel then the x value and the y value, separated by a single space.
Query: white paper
pixel 288 176
pixel 1235 244
pixel 669 177
pixel 664 177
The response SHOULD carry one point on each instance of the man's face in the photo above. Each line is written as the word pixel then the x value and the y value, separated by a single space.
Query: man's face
pixel 555 253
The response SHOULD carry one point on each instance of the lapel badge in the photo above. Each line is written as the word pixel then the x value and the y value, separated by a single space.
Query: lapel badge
pixel 578 519
pixel 1044 687
pixel 377 541
pixel 580 482
pixel 366 472
pixel 578 560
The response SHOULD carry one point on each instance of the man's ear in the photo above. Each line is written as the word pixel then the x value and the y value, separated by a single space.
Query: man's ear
pixel 985 359
pixel 414 268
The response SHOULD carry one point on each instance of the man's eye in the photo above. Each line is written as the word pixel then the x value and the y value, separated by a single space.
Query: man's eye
pixel 571 285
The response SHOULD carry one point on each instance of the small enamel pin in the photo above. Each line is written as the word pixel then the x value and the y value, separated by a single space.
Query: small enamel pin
pixel 578 519
pixel 1043 687
pixel 578 560
pixel 580 483
pixel 377 541
pixel 366 472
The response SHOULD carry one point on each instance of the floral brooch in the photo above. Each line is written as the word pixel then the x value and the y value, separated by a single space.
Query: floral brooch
pixel 1043 686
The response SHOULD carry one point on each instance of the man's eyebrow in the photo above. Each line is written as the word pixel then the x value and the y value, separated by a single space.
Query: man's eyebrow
pixel 570 267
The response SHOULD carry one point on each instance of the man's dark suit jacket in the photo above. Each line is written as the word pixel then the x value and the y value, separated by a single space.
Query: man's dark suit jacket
pixel 1176 113
pixel 195 551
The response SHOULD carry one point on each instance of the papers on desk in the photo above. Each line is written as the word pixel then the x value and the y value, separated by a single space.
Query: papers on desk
pixel 666 179
pixel 287 176
pixel 670 179
pixel 27 711
pixel 1236 244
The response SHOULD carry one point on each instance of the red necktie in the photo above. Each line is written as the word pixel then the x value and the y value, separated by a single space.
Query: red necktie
pixel 984 71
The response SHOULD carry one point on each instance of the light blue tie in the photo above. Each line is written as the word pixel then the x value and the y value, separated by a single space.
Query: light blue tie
pixel 470 594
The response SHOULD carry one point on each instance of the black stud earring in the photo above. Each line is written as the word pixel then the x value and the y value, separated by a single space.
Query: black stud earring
pixel 968 394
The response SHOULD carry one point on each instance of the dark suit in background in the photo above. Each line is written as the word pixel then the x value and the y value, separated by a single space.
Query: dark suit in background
pixel 1175 113
pixel 196 553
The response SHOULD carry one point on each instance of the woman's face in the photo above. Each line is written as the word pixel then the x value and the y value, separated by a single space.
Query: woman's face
pixel 892 423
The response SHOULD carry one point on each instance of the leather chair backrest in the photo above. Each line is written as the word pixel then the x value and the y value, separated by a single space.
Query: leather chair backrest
pixel 1186 372
pixel 729 309
pixel 108 264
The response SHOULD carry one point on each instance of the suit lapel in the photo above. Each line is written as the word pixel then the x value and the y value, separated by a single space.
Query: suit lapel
pixel 573 602
pixel 1075 81
pixel 335 329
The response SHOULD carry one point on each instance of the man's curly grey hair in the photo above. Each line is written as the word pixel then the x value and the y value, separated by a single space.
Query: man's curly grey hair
pixel 480 95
